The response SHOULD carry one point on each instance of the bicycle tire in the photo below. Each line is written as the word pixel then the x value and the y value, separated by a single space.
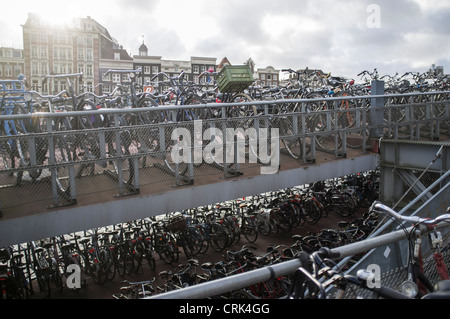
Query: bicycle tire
pixel 218 237
pixel 197 113
pixel 63 154
pixel 120 261
pixel 250 231
pixel 151 261
pixel 264 228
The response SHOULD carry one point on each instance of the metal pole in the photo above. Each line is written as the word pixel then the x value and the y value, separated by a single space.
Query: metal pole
pixel 376 112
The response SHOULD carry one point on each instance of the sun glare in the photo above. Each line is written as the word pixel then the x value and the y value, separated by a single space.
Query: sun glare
pixel 55 13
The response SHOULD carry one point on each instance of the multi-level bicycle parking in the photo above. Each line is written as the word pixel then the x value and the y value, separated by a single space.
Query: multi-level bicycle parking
pixel 66 137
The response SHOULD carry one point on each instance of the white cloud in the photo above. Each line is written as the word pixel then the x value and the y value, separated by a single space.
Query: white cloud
pixel 325 34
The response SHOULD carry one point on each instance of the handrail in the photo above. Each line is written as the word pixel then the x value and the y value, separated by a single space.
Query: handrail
pixel 214 105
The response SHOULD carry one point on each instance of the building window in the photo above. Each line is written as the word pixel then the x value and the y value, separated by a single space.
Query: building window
pixel 34 52
pixel 146 70
pixel 34 68
pixel 196 69
pixel 44 52
pixel 34 85
pixel 81 54
pixel 116 78
pixel 107 77
pixel 155 69
pixel 17 70
pixel 8 70
pixel 89 71
pixel 116 56
pixel 106 89
pixel 89 56
pixel 44 68
pixel 89 40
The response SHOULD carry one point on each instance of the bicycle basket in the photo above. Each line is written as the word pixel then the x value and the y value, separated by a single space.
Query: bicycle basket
pixel 177 223
pixel 234 78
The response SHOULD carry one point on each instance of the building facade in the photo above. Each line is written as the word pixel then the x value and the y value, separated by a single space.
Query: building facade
pixel 151 66
pixel 268 76
pixel 76 47
pixel 12 63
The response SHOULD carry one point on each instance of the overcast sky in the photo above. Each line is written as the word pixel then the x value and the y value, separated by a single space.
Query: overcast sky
pixel 342 37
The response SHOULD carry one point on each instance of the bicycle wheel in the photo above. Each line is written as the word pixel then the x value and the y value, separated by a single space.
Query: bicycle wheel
pixel 120 261
pixel 283 222
pixel 311 213
pixel 88 141
pixel 264 227
pixel 177 159
pixel 293 145
pixel 218 237
pixel 57 280
pixel 148 117
pixel 343 204
pixel 150 257
pixel 94 270
pixel 250 230
pixel 320 121
pixel 63 144
pixel 195 240
pixel 197 113
pixel 166 249
pixel 204 230
pixel 129 261
pixel 118 152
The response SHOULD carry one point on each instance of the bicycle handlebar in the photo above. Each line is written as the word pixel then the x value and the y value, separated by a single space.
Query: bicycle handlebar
pixel 167 76
pixel 123 71
pixel 49 97
pixel 70 75
pixel 413 219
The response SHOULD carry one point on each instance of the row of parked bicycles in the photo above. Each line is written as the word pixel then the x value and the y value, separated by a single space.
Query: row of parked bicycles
pixel 15 153
pixel 103 254
pixel 249 258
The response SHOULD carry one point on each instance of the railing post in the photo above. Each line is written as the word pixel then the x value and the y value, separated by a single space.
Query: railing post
pixel 376 113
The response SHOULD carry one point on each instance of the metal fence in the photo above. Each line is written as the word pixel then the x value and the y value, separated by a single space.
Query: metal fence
pixel 59 163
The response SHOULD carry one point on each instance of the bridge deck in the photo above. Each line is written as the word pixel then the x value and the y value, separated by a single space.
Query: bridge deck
pixel 99 205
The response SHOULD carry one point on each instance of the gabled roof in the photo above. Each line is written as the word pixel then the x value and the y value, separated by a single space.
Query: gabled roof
pixel 224 62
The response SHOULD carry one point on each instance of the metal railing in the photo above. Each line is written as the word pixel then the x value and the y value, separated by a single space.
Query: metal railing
pixel 58 165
